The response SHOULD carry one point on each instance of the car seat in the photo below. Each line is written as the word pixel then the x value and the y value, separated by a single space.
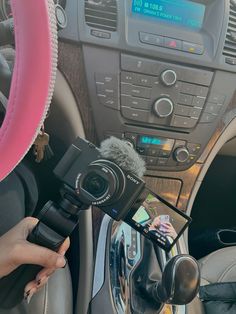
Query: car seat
pixel 18 197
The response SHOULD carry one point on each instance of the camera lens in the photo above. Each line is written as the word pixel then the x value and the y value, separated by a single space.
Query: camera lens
pixel 95 185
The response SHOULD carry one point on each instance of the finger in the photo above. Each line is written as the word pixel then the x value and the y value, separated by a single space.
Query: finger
pixel 42 282
pixel 46 272
pixel 37 255
pixel 166 224
pixel 28 225
pixel 64 247
pixel 30 294
pixel 29 286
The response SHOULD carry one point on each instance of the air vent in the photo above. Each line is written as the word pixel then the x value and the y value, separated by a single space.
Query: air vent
pixel 101 14
pixel 230 41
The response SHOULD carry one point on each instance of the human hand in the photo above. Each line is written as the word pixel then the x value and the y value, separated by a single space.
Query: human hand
pixel 16 250
pixel 169 230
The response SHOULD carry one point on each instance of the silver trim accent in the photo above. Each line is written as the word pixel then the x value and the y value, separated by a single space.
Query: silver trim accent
pixel 99 269
pixel 159 101
pixel 163 77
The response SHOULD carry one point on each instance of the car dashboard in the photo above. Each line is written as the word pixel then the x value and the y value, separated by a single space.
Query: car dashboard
pixel 157 76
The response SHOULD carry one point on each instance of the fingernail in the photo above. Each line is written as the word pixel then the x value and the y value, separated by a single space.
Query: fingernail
pixel 61 262
pixel 29 298
pixel 29 294
pixel 26 294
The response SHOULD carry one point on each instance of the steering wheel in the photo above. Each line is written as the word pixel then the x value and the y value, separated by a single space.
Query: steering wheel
pixel 33 79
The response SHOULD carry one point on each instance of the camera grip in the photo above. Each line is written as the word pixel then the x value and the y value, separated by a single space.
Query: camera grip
pixel 12 286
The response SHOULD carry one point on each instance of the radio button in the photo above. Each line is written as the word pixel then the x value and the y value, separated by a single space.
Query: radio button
pixel 183 110
pixel 217 99
pixel 201 91
pixel 163 107
pixel 208 117
pixel 145 80
pixel 134 114
pixel 153 152
pixel 137 91
pixel 183 122
pixel 164 153
pixel 141 150
pixel 135 102
pixel 173 43
pixel 162 161
pixel 213 108
pixel 128 77
pixel 193 48
pixel 140 65
pixel 199 102
pixel 151 161
pixel 151 39
pixel 109 101
pixel 185 99
pixel 196 112
pixel 188 88
pixel 169 77
pixel 193 148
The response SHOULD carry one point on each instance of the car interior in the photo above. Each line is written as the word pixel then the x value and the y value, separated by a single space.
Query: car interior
pixel 160 76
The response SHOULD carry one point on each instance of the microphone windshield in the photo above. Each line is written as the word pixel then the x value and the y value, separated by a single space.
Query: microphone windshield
pixel 123 155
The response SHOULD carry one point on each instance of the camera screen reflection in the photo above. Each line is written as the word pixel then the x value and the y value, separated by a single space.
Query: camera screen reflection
pixel 159 221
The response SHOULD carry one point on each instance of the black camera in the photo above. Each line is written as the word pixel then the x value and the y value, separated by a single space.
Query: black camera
pixel 98 181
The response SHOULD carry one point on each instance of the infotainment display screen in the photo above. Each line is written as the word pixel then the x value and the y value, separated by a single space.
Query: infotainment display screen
pixel 181 12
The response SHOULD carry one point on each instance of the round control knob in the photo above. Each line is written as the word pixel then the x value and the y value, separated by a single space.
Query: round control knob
pixel 181 154
pixel 169 78
pixel 129 142
pixel 61 16
pixel 163 107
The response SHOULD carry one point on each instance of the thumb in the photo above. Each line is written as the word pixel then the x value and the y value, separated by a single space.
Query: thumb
pixel 34 254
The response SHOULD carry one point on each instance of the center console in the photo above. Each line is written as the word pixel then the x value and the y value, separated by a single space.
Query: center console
pixel 156 72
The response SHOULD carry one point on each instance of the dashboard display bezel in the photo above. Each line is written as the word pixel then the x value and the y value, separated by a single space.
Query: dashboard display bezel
pixel 149 16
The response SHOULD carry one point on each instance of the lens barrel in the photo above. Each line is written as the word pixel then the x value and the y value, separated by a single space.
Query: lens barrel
pixel 102 183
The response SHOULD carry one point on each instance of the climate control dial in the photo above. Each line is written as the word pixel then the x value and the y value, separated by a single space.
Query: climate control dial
pixel 181 154
pixel 169 77
pixel 163 107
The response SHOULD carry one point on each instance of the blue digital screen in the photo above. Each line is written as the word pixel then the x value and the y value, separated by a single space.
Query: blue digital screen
pixel 181 12
pixel 151 140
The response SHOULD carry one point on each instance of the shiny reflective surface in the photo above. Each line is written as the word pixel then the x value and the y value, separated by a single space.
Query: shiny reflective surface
pixel 125 255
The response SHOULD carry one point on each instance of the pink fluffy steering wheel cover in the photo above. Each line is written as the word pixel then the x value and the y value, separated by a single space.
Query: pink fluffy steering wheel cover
pixel 32 81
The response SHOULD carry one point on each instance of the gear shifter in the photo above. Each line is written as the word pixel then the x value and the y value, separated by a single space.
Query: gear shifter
pixel 180 282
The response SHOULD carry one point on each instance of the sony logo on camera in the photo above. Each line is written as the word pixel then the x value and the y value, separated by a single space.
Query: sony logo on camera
pixel 133 179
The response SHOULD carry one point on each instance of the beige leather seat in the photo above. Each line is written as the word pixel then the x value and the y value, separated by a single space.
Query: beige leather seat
pixel 219 266
pixel 54 298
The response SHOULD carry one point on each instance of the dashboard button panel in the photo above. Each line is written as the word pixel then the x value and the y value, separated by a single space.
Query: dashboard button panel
pixel 193 48
pixel 163 153
pixel 135 114
pixel 151 39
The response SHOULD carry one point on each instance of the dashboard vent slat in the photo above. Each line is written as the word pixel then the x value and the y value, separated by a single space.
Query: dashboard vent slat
pixel 101 14
pixel 230 40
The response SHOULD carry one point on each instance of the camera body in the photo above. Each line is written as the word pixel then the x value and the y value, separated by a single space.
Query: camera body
pixel 98 181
